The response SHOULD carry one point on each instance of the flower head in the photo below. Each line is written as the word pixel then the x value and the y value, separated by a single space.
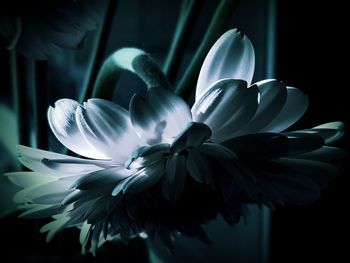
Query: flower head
pixel 162 168
pixel 41 28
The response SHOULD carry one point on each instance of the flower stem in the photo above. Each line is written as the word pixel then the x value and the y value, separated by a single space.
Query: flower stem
pixel 216 28
pixel 41 103
pixel 189 12
pixel 130 59
pixel 21 101
pixel 99 50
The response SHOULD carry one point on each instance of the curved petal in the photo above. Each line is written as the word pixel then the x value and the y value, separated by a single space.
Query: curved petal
pixel 56 164
pixel 107 126
pixel 161 117
pixel 294 108
pixel 226 107
pixel 174 180
pixel 273 95
pixel 63 124
pixel 330 131
pixel 232 56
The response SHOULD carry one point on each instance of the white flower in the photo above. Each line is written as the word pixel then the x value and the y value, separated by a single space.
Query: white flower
pixel 156 153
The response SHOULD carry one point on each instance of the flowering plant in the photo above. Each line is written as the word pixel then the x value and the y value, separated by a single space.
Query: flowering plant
pixel 163 169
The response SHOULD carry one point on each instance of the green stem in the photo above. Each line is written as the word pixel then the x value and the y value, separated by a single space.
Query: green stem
pixel 41 103
pixel 21 101
pixel 189 13
pixel 99 50
pixel 216 28
pixel 130 59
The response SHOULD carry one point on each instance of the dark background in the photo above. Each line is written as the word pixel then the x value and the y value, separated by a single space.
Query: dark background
pixel 313 55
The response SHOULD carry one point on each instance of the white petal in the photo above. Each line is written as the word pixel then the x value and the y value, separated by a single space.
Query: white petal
pixel 226 107
pixel 53 227
pixel 108 127
pixel 294 108
pixel 56 164
pixel 36 191
pixel 161 117
pixel 63 124
pixel 273 95
pixel 28 179
pixel 232 56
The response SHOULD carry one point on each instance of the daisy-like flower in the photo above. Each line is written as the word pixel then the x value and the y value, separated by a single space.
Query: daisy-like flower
pixel 40 28
pixel 162 168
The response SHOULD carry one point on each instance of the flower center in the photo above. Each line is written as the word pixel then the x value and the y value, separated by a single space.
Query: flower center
pixel 193 136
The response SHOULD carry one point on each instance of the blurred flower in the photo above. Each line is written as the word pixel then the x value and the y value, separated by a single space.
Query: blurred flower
pixel 9 162
pixel 40 28
pixel 162 168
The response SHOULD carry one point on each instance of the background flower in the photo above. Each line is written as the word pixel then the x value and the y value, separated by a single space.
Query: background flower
pixel 40 28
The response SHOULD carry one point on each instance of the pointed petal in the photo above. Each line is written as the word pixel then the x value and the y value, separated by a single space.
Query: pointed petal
pixel 330 131
pixel 27 179
pixel 107 126
pixel 232 56
pixel 173 183
pixel 299 142
pixel 103 177
pixel 259 145
pixel 294 108
pixel 56 164
pixel 161 117
pixel 273 95
pixel 63 124
pixel 226 107
pixel 199 167
pixel 218 151
pixel 144 180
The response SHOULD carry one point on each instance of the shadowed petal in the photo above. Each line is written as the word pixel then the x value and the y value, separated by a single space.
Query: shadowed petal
pixel 226 107
pixel 174 180
pixel 330 131
pixel 294 108
pixel 273 95
pixel 161 117
pixel 232 56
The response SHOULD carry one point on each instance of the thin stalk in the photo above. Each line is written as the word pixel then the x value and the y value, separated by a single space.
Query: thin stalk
pixel 216 28
pixel 127 59
pixel 41 103
pixel 21 101
pixel 99 50
pixel 189 13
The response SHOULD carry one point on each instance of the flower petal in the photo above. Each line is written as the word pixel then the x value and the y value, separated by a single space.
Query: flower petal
pixel 103 177
pixel 226 107
pixel 294 108
pixel 232 56
pixel 161 117
pixel 199 167
pixel 174 181
pixel 28 179
pixel 273 95
pixel 330 131
pixel 63 124
pixel 56 164
pixel 141 181
pixel 107 126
